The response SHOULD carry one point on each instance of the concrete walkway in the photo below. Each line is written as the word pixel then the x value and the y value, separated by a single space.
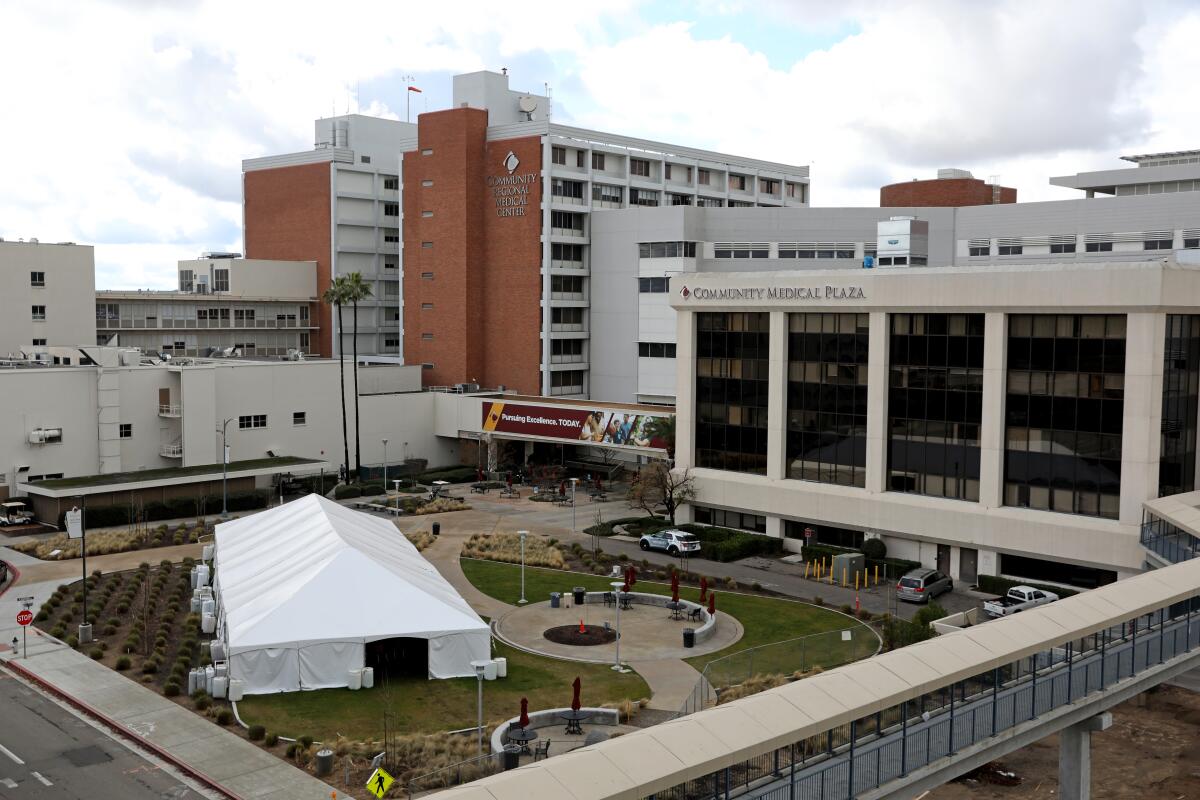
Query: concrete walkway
pixel 244 768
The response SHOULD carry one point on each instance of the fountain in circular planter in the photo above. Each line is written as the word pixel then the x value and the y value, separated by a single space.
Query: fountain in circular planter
pixel 580 635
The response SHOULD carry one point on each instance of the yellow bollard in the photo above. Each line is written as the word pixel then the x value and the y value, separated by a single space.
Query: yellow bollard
pixel 845 577
pixel 876 574
pixel 806 566
pixel 856 580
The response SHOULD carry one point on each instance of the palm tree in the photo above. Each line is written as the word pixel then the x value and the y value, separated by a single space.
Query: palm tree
pixel 356 289
pixel 336 295
pixel 663 428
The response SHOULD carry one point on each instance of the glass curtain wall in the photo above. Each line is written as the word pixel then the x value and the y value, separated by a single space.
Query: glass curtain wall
pixel 731 391
pixel 1064 405
pixel 935 402
pixel 1181 386
pixel 827 398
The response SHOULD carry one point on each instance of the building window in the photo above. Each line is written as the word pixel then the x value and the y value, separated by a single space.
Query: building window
pixel 566 221
pixel 566 350
pixel 428 337
pixel 566 285
pixel 1062 247
pixel 654 285
pixel 567 381
pixel 656 349
pixel 426 245
pixel 1064 406
pixel 980 249
pixel 39 342
pixel 737 182
pixel 643 197
pixel 1180 399
pixel 572 253
pixel 304 340
pixel 220 280
pixel 768 186
pixel 391 341
pixel 126 430
pixel 606 194
pixel 755 523
pixel 598 161
pixel 639 167
pixel 364 159
pixel 679 199
pixel 38 312
pixel 251 421
pixel 935 404
pixel 1157 244
pixel 564 188
pixel 426 276
pixel 299 418
pixel 566 319
pixel 1010 250
pixel 391 238
pixel 710 202
pixel 391 184
pixel 186 277
pixel 732 351
pixel 704 177
pixel 1191 244
pixel 389 263
pixel 427 306
pixel 827 398
pixel 558 155
pixel 579 158
pixel 1098 247
pixel 391 209
pixel 426 151
pixel 741 250
pixel 667 250
pixel 427 183
pixel 427 365
pixel 37 279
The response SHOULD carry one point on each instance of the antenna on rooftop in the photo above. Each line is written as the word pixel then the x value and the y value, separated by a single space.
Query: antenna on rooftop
pixel 549 101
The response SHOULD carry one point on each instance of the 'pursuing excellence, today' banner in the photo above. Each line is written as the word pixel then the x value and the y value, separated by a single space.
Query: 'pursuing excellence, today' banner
pixel 612 428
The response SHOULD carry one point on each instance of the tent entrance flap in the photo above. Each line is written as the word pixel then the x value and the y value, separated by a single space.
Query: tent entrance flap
pixel 399 657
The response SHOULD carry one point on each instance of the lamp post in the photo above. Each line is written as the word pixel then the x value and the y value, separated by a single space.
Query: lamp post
pixel 573 482
pixel 617 591
pixel 522 534
pixel 384 467
pixel 85 628
pixel 480 667
pixel 225 469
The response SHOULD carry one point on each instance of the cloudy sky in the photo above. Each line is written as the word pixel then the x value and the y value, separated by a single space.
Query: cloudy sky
pixel 126 120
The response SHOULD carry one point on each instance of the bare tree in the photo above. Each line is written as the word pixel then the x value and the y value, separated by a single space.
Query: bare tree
pixel 658 487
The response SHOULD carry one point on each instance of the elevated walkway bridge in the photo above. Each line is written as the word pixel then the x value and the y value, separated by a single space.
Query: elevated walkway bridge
pixel 902 722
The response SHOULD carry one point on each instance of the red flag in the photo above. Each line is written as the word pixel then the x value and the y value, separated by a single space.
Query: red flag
pixel 703 588
pixel 524 720
pixel 414 89
pixel 575 698
pixel 712 603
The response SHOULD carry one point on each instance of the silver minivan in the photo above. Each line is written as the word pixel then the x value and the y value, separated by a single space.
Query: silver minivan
pixel 922 585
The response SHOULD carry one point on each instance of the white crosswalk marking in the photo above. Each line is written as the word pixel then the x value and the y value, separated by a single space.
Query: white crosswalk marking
pixel 8 783
pixel 10 754
pixel 42 778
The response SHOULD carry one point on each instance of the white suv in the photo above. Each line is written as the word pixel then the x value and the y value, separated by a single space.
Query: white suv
pixel 671 540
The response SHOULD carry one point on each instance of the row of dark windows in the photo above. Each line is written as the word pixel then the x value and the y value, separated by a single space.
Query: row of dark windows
pixel 731 422
pixel 1181 393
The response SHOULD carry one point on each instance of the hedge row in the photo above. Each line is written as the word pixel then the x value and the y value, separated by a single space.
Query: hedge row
pixel 727 544
pixel 175 508
pixel 606 528
pixel 997 585
pixel 450 474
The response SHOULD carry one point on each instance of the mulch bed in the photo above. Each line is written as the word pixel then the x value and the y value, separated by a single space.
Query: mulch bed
pixel 591 635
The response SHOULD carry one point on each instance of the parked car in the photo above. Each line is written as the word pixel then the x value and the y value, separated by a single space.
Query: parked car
pixel 922 585
pixel 672 540
pixel 1018 599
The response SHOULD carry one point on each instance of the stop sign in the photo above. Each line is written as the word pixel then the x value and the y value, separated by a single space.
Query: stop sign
pixel 24 617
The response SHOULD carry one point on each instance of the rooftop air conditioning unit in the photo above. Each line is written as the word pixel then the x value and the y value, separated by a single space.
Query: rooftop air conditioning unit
pixel 294 355
pixel 45 435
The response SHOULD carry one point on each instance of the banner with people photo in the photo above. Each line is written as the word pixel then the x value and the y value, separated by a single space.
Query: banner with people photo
pixel 598 427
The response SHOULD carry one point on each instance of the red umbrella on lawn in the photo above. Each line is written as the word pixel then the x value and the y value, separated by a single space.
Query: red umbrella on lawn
pixel 674 587
pixel 712 603
pixel 524 720
pixel 703 589
pixel 575 697
pixel 479 474
pixel 508 479
pixel 632 575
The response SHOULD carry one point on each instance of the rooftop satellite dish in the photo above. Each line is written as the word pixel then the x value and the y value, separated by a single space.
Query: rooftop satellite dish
pixel 527 104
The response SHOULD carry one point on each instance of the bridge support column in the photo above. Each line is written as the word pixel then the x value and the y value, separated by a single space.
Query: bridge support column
pixel 1075 757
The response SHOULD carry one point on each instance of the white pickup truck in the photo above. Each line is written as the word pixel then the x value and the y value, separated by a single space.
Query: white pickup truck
pixel 1019 598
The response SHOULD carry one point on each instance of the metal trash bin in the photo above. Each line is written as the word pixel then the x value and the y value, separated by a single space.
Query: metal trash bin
pixel 555 599
pixel 689 637
pixel 511 757
pixel 437 528
pixel 579 592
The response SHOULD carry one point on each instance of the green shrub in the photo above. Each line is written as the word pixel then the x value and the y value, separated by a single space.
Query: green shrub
pixel 875 549
pixel 304 741
pixel 456 474
pixel 346 492
pixel 201 702
pixel 271 739
pixel 67 617
pixel 224 716
pixel 58 631
pixel 997 585
pixel 122 607
pixel 171 689
pixel 72 641
pixel 123 663
pixel 150 666
pixel 256 733
pixel 96 653
pixel 292 750
pixel 727 544
pixel 108 630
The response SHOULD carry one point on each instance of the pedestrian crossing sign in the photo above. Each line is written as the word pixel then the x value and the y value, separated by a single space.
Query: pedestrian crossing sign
pixel 380 782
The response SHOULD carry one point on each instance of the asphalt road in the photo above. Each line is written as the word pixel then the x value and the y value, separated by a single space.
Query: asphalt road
pixel 48 752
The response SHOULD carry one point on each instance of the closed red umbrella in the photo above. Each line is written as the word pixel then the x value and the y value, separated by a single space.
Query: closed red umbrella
pixel 632 575
pixel 478 474
pixel 703 589
pixel 575 697
pixel 508 479
pixel 674 587
pixel 524 720
pixel 712 603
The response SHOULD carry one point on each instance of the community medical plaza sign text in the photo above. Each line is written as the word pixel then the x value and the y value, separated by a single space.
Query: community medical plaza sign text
pixel 823 292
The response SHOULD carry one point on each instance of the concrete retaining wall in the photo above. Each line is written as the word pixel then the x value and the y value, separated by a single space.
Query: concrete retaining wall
pixel 549 718
pixel 708 623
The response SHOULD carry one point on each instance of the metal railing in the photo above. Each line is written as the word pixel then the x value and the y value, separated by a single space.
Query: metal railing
pixel 1169 542
pixel 170 410
pixel 867 753
pixel 171 450
pixel 825 650
pixel 455 774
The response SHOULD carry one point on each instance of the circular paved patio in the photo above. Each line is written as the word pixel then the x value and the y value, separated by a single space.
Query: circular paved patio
pixel 647 632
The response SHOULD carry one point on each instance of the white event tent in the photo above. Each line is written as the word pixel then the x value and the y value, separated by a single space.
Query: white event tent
pixel 301 589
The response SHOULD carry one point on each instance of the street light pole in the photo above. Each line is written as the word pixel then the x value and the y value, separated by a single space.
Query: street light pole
pixel 617 591
pixel 522 534
pixel 480 666
pixel 85 629
pixel 225 469
pixel 574 481
pixel 385 469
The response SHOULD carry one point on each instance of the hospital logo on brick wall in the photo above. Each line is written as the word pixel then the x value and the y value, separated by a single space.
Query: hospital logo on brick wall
pixel 511 162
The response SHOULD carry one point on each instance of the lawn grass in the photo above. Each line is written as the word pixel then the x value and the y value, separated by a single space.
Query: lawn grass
pixel 429 706
pixel 765 619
